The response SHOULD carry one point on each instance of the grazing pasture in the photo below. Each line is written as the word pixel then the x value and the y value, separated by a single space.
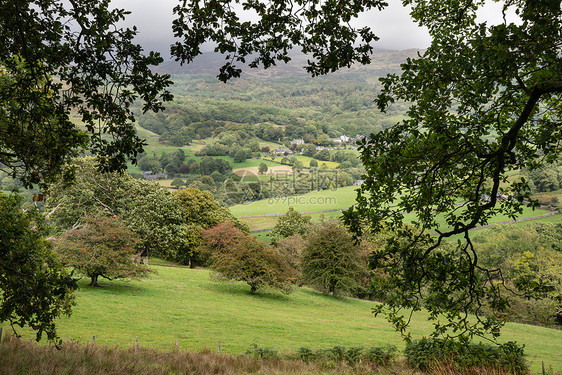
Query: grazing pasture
pixel 184 304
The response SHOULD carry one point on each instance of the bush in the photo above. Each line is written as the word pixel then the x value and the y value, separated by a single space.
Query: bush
pixel 262 353
pixel 376 356
pixel 381 356
pixel 425 354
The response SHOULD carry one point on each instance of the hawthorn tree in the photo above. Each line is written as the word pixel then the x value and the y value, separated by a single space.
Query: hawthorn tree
pixel 235 255
pixel 101 246
pixel 331 260
pixel 288 224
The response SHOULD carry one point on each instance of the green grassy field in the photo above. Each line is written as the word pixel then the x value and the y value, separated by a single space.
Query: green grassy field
pixel 328 200
pixel 185 305
pixel 313 201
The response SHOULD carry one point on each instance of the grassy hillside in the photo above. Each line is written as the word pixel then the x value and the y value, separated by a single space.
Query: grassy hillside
pixel 184 304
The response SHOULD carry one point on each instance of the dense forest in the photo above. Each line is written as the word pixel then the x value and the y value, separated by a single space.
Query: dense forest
pixel 279 106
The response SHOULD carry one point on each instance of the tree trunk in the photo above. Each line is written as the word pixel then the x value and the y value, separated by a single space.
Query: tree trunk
pixel 94 281
pixel 253 289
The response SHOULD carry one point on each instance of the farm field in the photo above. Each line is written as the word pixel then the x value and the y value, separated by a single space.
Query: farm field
pixel 339 199
pixel 313 201
pixel 184 304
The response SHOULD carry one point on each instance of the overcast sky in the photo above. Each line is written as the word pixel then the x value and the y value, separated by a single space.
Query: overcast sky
pixel 393 25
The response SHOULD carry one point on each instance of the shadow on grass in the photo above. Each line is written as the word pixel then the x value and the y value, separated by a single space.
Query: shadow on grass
pixel 331 298
pixel 111 287
pixel 243 290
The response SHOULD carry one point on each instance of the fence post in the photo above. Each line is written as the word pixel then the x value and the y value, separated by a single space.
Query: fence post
pixel 219 347
pixel 136 344
pixel 94 340
pixel 543 370
pixel 176 344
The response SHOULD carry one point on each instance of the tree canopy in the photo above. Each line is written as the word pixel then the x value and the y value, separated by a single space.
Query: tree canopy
pixel 331 261
pixel 290 223
pixel 147 208
pixel 485 101
pixel 101 246
pixel 320 28
pixel 60 59
pixel 35 288
pixel 235 255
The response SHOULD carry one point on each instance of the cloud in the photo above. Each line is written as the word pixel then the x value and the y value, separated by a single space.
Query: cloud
pixel 393 25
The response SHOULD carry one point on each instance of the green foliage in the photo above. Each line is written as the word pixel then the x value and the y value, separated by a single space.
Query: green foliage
pixel 289 224
pixel 47 78
pixel 235 255
pixel 530 259
pixel 319 29
pixel 101 246
pixel 485 102
pixel 200 211
pixel 331 261
pixel 258 352
pixel 290 249
pixel 35 288
pixel 148 209
pixel 262 168
pixel 424 354
pixel 377 355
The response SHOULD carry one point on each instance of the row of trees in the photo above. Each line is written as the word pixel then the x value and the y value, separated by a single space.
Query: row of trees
pixel 164 223
pixel 322 255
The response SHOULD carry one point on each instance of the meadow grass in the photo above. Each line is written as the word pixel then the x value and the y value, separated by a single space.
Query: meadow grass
pixel 184 304
pixel 314 201
pixel 340 199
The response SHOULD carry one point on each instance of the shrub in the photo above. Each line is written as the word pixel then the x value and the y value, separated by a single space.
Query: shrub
pixel 425 354
pixel 381 356
pixel 376 356
pixel 262 353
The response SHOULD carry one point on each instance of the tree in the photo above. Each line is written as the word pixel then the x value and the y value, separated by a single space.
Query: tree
pixel 35 287
pixel 235 255
pixel 60 57
pixel 485 101
pixel 288 224
pixel 290 249
pixel 147 208
pixel 101 246
pixel 313 163
pixel 201 211
pixel 331 261
pixel 321 29
pixel 323 155
pixel 262 168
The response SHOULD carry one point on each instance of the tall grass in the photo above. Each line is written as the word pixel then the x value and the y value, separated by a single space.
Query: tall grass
pixel 19 357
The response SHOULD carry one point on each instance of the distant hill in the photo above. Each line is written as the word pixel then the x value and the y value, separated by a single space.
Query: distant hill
pixel 383 62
